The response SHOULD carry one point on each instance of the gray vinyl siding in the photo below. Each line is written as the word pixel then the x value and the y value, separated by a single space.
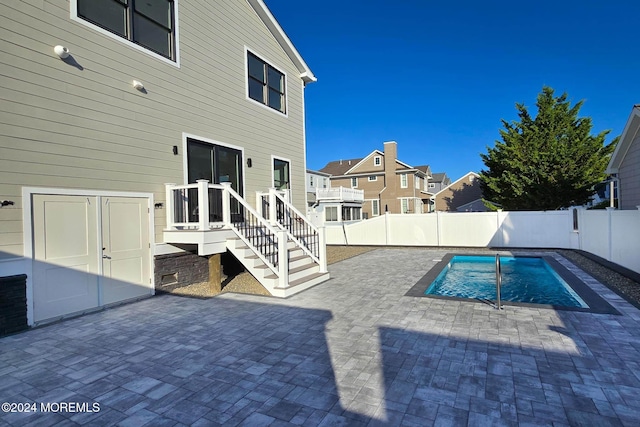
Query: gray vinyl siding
pixel 84 126
pixel 629 174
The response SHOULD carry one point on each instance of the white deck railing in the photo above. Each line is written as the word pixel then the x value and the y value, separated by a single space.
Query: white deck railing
pixel 341 194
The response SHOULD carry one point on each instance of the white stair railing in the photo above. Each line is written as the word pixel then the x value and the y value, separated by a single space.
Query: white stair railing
pixel 204 206
pixel 307 236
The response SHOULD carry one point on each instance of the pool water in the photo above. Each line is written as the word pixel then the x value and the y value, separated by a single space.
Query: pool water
pixel 524 279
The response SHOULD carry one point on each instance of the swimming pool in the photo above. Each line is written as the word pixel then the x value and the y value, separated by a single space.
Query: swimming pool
pixel 524 280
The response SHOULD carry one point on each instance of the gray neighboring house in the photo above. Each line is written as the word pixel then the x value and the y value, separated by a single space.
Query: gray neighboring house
pixel 438 181
pixel 624 165
pixel 316 180
pixel 106 101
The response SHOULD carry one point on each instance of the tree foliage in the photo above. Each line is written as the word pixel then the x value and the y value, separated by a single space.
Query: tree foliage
pixel 548 162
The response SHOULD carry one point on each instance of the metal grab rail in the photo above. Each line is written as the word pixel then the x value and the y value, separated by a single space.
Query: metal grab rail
pixel 298 228
pixel 498 282
pixel 255 231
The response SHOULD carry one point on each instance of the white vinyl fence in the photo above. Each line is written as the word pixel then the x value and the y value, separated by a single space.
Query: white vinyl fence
pixel 611 234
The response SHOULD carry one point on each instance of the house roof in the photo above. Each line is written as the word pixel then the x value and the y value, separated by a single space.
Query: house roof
pixel 272 24
pixel 317 172
pixel 629 134
pixel 457 180
pixel 439 177
pixel 340 167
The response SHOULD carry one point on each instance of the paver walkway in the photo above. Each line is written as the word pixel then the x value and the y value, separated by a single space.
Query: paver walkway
pixel 352 351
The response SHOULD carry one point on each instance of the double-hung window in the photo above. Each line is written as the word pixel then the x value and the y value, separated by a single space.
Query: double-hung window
pixel 375 207
pixel 148 23
pixel 403 180
pixel 266 84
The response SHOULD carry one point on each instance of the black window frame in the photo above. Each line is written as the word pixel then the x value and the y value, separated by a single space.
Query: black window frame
pixel 265 83
pixel 131 14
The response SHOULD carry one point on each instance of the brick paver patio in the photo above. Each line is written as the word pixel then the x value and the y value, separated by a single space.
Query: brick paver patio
pixel 352 351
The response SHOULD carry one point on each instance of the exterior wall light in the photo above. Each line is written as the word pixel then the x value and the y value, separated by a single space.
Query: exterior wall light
pixel 138 85
pixel 61 51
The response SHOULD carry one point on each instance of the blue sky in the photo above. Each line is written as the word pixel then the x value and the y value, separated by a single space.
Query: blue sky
pixel 438 76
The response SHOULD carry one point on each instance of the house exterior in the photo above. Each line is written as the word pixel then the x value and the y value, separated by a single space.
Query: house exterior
pixel 316 180
pixel 438 181
pixel 462 195
pixel 624 165
pixel 389 184
pixel 99 116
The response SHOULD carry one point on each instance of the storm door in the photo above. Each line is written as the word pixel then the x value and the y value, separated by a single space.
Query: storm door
pixel 217 164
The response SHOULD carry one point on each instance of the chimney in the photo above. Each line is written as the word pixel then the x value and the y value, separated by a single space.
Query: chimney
pixel 388 196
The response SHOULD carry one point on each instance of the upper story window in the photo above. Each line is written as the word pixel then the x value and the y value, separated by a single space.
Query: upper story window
pixel 432 185
pixel 373 178
pixel 147 23
pixel 417 178
pixel 266 84
pixel 403 181
pixel 377 161
pixel 311 180
pixel 354 182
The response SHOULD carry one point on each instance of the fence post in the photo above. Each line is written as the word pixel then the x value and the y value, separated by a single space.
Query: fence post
pixel 610 232
pixel 203 204
pixel 226 203
pixel 169 205
pixel 386 227
pixel 439 228
pixel 322 250
pixel 283 259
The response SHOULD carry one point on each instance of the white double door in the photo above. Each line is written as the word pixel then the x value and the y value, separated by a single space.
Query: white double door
pixel 88 252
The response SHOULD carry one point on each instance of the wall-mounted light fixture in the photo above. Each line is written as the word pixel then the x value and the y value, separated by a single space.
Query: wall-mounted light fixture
pixel 138 85
pixel 158 205
pixel 6 203
pixel 61 51
pixel 175 150
pixel 249 162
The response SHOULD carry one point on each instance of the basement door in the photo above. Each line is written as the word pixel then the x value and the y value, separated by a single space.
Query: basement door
pixel 88 252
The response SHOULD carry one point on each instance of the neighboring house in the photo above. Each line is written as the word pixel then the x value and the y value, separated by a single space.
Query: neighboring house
pixel 389 184
pixel 462 195
pixel 315 180
pixel 438 182
pixel 624 165
pixel 106 101
pixel 328 205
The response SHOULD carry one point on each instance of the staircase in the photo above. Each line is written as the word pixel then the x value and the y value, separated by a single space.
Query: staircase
pixel 285 253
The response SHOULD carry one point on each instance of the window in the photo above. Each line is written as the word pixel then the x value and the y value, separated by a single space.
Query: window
pixel 331 213
pixel 377 161
pixel 148 23
pixel 404 205
pixel 373 178
pixel 375 207
pixel 346 213
pixel 311 180
pixel 417 178
pixel 354 182
pixel 266 84
pixel 471 178
pixel 281 174
pixel 403 180
pixel 432 185
pixel 324 182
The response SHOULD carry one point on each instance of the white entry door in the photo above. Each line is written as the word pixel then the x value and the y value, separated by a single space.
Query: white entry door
pixel 66 257
pixel 125 241
pixel 88 252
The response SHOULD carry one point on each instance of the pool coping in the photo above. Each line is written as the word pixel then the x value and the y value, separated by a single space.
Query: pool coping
pixel 596 303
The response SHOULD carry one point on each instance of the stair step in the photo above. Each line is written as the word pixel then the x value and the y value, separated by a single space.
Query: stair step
pixel 307 279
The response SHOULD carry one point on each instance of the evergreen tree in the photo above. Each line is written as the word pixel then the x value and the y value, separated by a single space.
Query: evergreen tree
pixel 548 162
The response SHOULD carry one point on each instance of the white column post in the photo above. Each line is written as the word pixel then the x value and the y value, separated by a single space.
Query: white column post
pixel 273 220
pixel 322 250
pixel 168 191
pixel 283 259
pixel 203 204
pixel 226 203
pixel 387 231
